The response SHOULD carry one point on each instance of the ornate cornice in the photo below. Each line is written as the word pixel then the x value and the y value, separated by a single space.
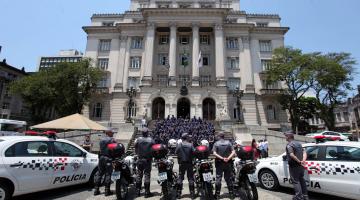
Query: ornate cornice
pixel 282 30
pixel 100 29
pixel 171 11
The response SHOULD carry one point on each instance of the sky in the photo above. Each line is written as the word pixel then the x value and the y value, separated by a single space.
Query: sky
pixel 33 28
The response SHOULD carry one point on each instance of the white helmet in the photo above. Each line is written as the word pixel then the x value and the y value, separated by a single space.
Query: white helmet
pixel 179 141
pixel 238 143
pixel 204 143
pixel 172 143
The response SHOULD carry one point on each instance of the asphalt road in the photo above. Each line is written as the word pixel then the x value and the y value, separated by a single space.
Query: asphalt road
pixel 83 192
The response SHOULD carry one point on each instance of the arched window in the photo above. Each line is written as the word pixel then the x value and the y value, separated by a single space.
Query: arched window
pixel 271 113
pixel 97 110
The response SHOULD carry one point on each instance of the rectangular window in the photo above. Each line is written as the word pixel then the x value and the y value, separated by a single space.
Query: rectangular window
pixel 6 106
pixel 184 39
pixel 103 82
pixel 185 6
pixel 163 80
pixel 163 5
pixel 133 82
pixel 206 5
pixel 163 39
pixel 265 64
pixel 265 46
pixel 205 81
pixel 205 39
pixel 103 63
pixel 108 23
pixel 233 83
pixel 338 117
pixel 268 85
pixel 262 24
pixel 232 62
pixel 346 116
pixel 135 62
pixel 136 42
pixel 184 59
pixel 232 43
pixel 104 45
pixel 163 59
pixel 206 60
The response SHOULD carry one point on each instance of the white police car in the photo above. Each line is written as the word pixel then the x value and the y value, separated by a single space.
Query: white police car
pixel 332 168
pixel 34 163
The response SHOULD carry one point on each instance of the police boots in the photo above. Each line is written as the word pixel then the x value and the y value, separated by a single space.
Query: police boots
pixel 138 189
pixel 147 190
pixel 178 191
pixel 96 191
pixel 231 192
pixel 192 191
pixel 217 191
pixel 108 192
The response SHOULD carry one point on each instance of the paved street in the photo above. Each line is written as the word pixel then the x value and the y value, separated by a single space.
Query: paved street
pixel 83 192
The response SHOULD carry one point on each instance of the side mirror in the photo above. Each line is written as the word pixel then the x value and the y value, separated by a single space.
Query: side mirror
pixel 284 157
pixel 84 154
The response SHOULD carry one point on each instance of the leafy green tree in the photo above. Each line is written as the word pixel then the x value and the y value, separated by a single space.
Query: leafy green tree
pixel 64 88
pixel 332 77
pixel 294 68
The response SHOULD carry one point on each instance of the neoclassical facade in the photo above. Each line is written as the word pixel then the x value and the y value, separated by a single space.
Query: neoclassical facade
pixel 208 46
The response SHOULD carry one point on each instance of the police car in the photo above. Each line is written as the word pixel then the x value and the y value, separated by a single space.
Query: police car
pixel 332 168
pixel 34 163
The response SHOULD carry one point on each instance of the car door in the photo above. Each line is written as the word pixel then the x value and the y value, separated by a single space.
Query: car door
pixel 313 167
pixel 72 166
pixel 30 162
pixel 341 170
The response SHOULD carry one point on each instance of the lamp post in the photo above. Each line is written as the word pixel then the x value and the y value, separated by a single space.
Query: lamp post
pixel 238 94
pixel 183 89
pixel 130 92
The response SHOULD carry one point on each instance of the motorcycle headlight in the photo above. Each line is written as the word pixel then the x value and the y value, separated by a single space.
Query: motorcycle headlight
pixel 123 166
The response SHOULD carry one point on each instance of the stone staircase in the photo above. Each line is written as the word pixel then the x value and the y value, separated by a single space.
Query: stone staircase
pixel 131 144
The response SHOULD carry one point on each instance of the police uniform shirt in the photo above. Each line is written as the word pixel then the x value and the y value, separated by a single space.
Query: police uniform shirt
pixel 143 147
pixel 223 148
pixel 296 148
pixel 103 145
pixel 184 151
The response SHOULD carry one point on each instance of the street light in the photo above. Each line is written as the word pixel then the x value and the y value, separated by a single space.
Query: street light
pixel 130 92
pixel 238 94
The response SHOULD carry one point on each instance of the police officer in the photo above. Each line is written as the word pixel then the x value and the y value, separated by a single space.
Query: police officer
pixel 105 166
pixel 143 151
pixel 185 151
pixel 224 152
pixel 296 157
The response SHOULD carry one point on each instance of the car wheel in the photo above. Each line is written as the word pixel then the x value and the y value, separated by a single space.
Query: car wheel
pixel 268 180
pixel 4 192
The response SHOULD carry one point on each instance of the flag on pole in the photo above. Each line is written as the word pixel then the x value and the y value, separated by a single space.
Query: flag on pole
pixel 200 60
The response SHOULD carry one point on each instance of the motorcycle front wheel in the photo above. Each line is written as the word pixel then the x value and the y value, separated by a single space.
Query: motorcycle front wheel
pixel 121 189
pixel 250 189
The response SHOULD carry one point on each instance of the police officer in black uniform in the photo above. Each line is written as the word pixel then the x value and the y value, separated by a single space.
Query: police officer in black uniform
pixel 185 151
pixel 296 158
pixel 224 152
pixel 143 151
pixel 105 166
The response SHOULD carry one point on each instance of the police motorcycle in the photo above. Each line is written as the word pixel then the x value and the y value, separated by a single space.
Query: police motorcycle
pixel 172 146
pixel 123 170
pixel 167 177
pixel 244 169
pixel 203 172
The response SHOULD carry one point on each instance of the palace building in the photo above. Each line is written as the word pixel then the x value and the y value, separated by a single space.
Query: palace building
pixel 185 58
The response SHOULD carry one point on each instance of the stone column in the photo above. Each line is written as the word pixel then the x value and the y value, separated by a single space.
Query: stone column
pixel 149 49
pixel 172 55
pixel 245 59
pixel 195 55
pixel 121 64
pixel 220 53
pixel 126 64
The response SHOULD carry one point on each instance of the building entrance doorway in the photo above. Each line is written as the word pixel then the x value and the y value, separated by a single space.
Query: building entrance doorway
pixel 158 108
pixel 183 108
pixel 209 109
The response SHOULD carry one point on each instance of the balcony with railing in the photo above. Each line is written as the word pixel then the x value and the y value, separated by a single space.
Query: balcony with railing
pixel 272 91
pixel 101 90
